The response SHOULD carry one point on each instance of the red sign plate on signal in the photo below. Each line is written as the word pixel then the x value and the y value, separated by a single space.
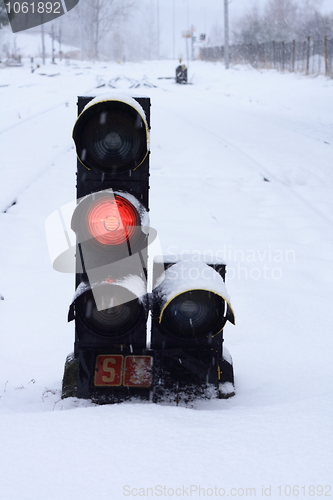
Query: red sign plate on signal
pixel 109 370
pixel 138 371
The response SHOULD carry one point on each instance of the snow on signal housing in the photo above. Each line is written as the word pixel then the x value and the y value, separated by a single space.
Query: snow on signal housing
pixel 111 134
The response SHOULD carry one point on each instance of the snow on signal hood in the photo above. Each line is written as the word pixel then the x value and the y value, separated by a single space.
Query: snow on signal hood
pixel 115 96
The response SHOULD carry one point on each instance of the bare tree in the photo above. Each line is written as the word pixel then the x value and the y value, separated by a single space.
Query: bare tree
pixel 216 34
pixel 312 23
pixel 280 19
pixel 284 20
pixel 140 38
pixel 250 27
pixel 117 45
pixel 3 15
pixel 98 18
pixel 149 31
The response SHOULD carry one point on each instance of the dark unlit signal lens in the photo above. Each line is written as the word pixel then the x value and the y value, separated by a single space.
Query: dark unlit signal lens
pixel 121 310
pixel 111 137
pixel 194 314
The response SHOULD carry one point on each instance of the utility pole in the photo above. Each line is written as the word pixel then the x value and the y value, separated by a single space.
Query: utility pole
pixel 43 42
pixel 173 30
pixel 52 37
pixel 158 29
pixel 60 51
pixel 192 42
pixel 226 34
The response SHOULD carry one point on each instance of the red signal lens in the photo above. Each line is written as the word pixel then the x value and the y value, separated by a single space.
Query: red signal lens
pixel 112 221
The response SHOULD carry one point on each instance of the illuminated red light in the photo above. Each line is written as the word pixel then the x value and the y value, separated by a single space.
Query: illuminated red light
pixel 112 221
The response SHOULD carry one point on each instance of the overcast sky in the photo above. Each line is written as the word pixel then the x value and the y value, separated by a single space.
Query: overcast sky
pixel 176 16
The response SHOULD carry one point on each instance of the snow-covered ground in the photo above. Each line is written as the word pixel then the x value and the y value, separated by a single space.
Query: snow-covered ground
pixel 29 44
pixel 241 168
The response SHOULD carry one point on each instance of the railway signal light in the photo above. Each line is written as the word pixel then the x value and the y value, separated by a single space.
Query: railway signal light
pixel 189 302
pixel 110 306
pixel 190 308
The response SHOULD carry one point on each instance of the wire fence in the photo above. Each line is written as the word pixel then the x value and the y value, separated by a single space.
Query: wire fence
pixel 308 56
